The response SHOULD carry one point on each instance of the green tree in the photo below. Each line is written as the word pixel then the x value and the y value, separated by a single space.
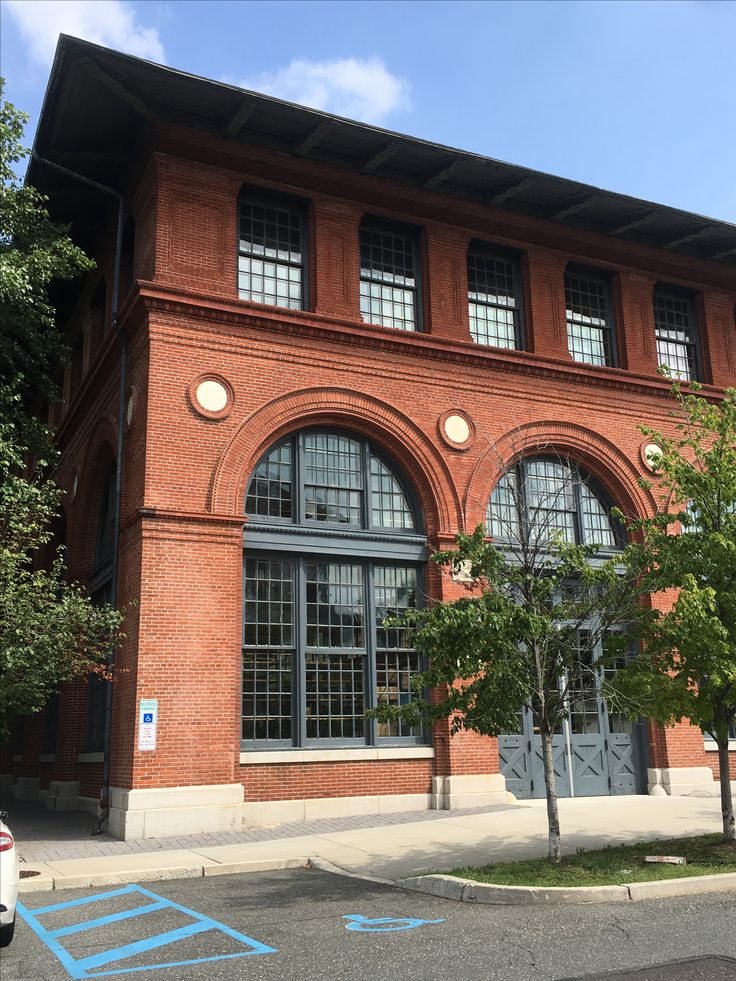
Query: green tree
pixel 538 610
pixel 688 665
pixel 49 630
pixel 34 251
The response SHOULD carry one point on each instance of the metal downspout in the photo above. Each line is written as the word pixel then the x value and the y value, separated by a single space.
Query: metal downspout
pixel 114 307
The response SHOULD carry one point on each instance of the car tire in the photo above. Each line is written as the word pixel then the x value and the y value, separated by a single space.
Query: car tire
pixel 6 933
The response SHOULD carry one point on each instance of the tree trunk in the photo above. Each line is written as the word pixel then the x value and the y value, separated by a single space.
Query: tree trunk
pixel 553 818
pixel 729 827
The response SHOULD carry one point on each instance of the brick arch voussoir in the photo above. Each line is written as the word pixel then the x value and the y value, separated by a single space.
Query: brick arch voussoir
pixel 377 420
pixel 614 471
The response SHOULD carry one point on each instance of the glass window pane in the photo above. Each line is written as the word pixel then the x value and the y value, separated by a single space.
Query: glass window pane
pixel 273 233
pixel 493 305
pixel 388 288
pixel 270 490
pixel 588 325
pixel 675 333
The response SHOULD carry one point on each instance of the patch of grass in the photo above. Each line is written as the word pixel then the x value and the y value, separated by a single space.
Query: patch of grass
pixel 614 865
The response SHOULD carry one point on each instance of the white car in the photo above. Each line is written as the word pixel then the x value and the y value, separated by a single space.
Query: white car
pixel 8 882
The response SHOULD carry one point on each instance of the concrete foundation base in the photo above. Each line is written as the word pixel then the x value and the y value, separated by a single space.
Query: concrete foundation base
pixel 264 813
pixel 26 788
pixel 168 811
pixel 456 792
pixel 681 781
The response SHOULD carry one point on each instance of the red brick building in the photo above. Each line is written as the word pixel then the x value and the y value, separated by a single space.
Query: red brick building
pixel 335 336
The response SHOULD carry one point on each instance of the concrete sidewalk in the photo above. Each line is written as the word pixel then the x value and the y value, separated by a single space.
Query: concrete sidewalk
pixel 403 846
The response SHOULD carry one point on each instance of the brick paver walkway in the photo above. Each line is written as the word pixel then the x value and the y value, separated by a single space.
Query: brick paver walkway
pixel 45 836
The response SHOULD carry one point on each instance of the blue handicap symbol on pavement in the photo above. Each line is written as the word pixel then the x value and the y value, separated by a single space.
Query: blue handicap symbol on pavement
pixel 384 924
pixel 87 967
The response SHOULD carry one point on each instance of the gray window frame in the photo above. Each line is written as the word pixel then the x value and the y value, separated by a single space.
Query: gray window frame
pixel 484 250
pixel 287 202
pixel 367 546
pixel 579 477
pixel 411 234
pixel 609 331
pixel 693 345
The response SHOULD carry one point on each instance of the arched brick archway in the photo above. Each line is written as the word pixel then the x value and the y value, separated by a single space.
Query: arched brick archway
pixel 399 436
pixel 85 509
pixel 605 462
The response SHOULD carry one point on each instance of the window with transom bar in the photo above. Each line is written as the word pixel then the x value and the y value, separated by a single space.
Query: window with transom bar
pixel 389 277
pixel 544 498
pixel 272 250
pixel 333 550
pixel 494 298
pixel 589 318
pixel 676 333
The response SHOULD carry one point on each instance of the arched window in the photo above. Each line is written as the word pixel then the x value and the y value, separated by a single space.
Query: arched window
pixel 333 546
pixel 544 497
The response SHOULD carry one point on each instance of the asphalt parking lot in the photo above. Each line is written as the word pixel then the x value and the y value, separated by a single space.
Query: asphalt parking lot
pixel 307 924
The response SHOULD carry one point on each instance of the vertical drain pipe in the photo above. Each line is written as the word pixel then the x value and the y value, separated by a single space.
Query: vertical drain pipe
pixel 114 307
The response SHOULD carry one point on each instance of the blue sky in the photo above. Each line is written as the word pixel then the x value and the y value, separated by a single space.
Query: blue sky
pixel 636 97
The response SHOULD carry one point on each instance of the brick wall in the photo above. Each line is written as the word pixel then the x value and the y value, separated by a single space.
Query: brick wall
pixel 185 475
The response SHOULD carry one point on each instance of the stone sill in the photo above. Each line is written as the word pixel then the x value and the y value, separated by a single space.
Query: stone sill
pixel 711 747
pixel 47 758
pixel 336 755
pixel 91 758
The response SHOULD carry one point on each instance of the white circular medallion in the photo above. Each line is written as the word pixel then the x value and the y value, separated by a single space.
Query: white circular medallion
pixel 652 453
pixel 457 429
pixel 211 395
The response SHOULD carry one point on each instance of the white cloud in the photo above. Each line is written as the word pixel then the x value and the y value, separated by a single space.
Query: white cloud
pixel 360 88
pixel 109 22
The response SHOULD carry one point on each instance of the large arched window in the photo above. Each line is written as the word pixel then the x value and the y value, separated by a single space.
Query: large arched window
pixel 541 498
pixel 333 545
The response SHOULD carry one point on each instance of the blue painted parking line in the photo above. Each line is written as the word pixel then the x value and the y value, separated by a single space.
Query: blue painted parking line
pixel 384 924
pixel 88 967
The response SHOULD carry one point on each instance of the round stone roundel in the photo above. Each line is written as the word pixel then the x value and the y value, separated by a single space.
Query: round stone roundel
pixel 457 429
pixel 211 395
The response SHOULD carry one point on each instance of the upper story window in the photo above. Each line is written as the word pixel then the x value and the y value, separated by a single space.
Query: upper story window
pixel 589 318
pixel 271 251
pixel 543 498
pixel 389 277
pixel 676 332
pixel 494 299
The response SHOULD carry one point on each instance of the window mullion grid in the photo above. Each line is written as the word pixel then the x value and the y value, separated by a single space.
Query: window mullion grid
pixel 367 486
pixel 369 638
pixel 579 518
pixel 300 654
pixel 298 478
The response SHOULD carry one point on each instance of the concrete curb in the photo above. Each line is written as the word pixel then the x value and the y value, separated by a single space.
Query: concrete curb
pixel 49 881
pixel 470 891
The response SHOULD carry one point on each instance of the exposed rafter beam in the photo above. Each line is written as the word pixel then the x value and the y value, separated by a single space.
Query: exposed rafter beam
pixel 571 207
pixel 374 162
pixel 312 139
pixel 672 243
pixel 146 109
pixel 632 223
pixel 239 118
pixel 505 190
pixel 441 175
pixel 723 254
